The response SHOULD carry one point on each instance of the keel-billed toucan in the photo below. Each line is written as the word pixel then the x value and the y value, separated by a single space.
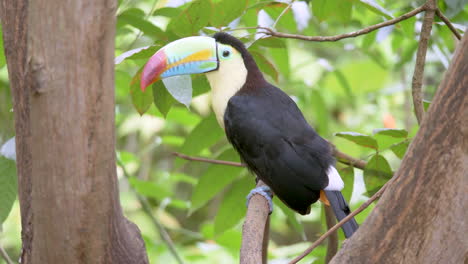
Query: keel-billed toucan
pixel 263 123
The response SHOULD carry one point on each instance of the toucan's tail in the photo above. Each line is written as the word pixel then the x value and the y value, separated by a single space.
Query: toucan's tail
pixel 341 210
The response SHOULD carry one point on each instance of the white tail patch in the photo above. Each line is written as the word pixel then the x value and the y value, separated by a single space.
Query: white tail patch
pixel 335 183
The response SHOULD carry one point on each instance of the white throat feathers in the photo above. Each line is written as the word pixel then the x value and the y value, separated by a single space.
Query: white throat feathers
pixel 225 82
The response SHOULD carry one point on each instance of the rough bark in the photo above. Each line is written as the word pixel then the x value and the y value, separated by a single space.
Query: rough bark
pixel 421 218
pixel 255 231
pixel 60 63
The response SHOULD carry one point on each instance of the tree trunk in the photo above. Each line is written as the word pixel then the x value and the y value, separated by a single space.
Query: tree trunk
pixel 60 61
pixel 421 217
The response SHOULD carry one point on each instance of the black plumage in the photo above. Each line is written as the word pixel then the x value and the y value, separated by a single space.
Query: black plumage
pixel 274 140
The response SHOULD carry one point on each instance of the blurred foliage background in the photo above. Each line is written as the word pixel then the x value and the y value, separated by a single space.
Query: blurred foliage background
pixel 355 92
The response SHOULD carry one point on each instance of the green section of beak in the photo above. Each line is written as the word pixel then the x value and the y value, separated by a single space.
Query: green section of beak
pixel 184 56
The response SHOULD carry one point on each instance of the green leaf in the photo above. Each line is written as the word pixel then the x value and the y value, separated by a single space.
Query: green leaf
pixel 167 12
pixel 149 189
pixel 320 112
pixel 392 132
pixel 406 55
pixel 360 139
pixel 231 239
pixel 174 141
pixel 369 39
pixel 226 11
pixel 162 98
pixel 250 17
pixel 127 157
pixel 375 7
pixel 183 117
pixel 400 148
pixel 426 104
pixel 287 21
pixel 192 19
pixel 138 53
pixel 204 135
pixel 265 66
pixel 2 55
pixel 340 10
pixel 344 83
pixel 135 18
pixel 141 100
pixel 8 187
pixel 215 179
pixel 200 84
pixel 386 137
pixel 376 173
pixel 281 58
pixel 407 26
pixel 347 174
pixel 232 208
pixel 270 43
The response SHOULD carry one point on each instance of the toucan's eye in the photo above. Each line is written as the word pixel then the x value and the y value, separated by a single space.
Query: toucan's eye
pixel 226 53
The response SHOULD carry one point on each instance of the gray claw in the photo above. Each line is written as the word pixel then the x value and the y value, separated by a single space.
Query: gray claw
pixel 264 191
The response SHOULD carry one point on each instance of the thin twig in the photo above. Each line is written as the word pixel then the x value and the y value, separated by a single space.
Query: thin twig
pixel 363 31
pixel 449 25
pixel 282 14
pixel 416 86
pixel 139 31
pixel 5 256
pixel 147 209
pixel 220 162
pixel 346 219
pixel 348 160
pixel 341 157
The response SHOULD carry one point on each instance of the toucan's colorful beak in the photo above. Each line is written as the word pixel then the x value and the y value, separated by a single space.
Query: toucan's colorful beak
pixel 184 56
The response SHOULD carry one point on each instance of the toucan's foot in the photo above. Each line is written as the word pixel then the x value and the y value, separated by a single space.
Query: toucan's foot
pixel 264 191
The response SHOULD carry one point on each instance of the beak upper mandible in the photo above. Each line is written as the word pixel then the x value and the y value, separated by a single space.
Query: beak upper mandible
pixel 184 56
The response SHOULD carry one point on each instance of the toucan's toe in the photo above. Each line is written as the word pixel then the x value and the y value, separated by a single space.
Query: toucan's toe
pixel 264 191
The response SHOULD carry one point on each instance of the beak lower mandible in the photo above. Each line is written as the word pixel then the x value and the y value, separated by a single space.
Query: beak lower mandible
pixel 184 56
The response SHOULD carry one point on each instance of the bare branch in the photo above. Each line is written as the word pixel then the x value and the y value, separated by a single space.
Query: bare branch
pixel 449 25
pixel 254 240
pixel 341 157
pixel 5 256
pixel 421 59
pixel 147 209
pixel 220 162
pixel 363 31
pixel 346 219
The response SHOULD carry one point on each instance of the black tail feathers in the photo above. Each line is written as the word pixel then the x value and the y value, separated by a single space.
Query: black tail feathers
pixel 341 210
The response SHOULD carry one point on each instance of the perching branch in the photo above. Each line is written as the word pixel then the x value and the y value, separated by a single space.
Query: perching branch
pixel 430 8
pixel 340 156
pixel 5 256
pixel 255 230
pixel 147 209
pixel 273 33
pixel 346 219
pixel 449 25
pixel 219 162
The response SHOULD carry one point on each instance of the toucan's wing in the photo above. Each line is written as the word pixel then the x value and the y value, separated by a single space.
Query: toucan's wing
pixel 274 140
